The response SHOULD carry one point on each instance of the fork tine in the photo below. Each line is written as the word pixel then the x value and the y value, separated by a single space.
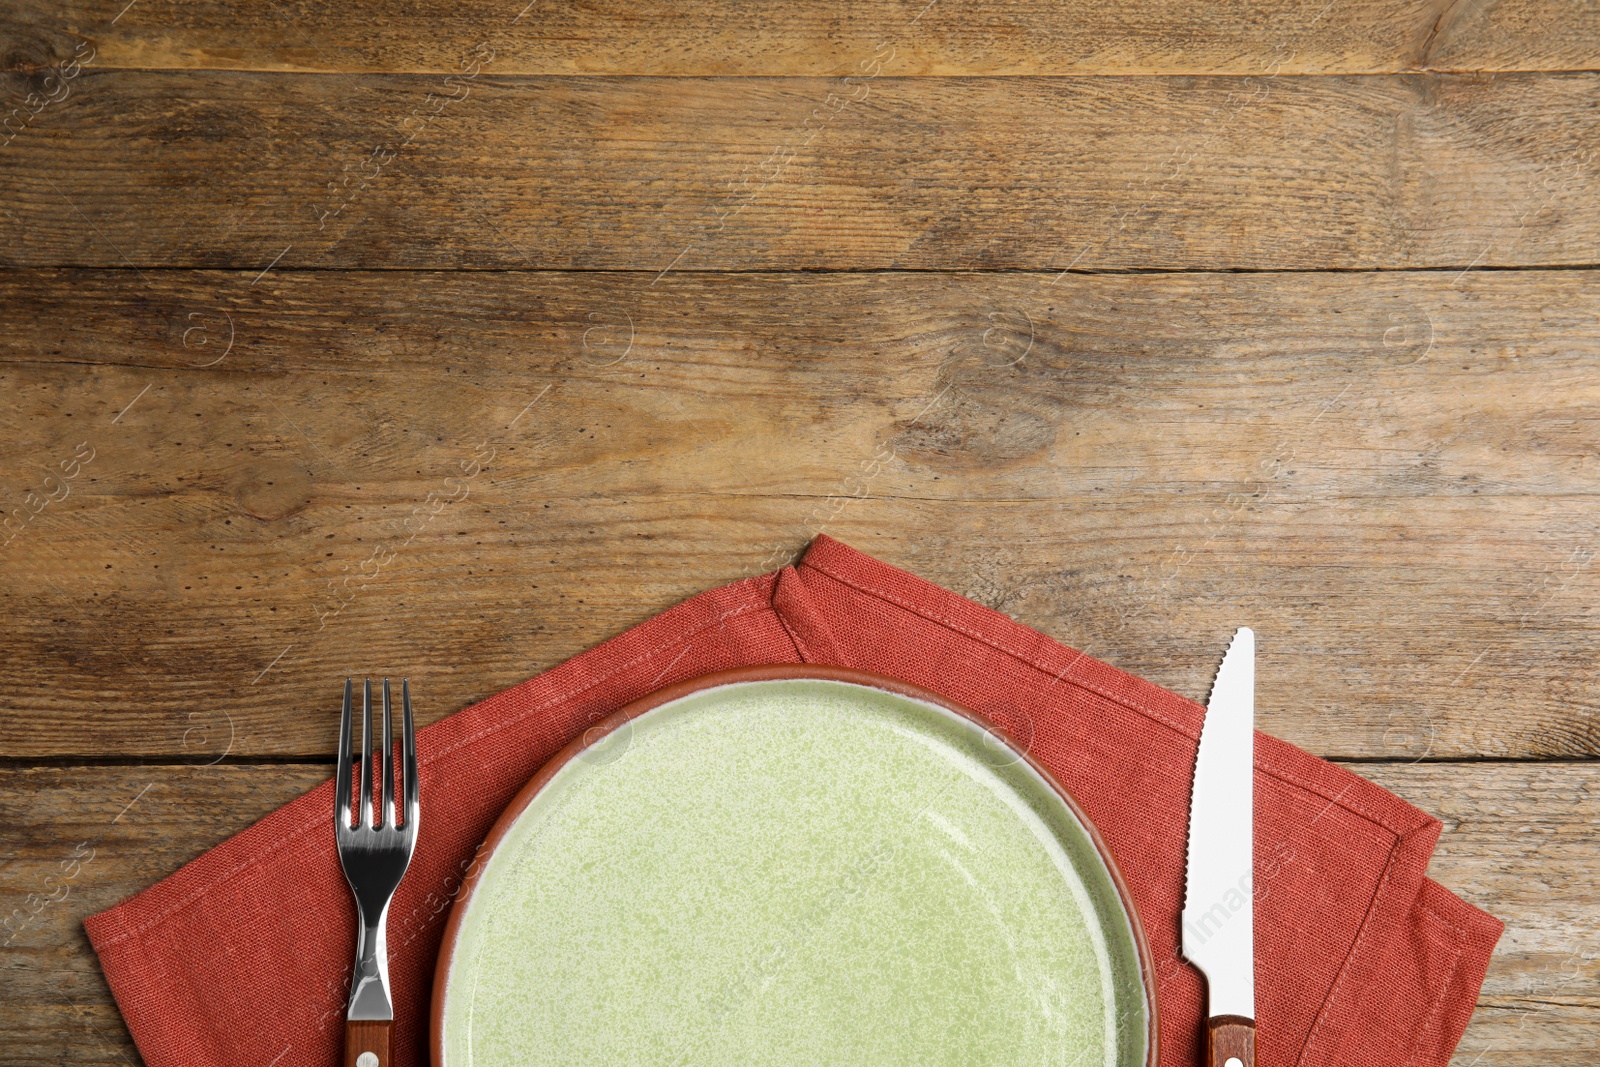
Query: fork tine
pixel 366 754
pixel 374 858
pixel 387 738
pixel 408 756
pixel 341 778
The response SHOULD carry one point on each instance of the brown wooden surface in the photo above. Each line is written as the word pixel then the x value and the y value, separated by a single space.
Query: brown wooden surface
pixel 1230 1041
pixel 364 1037
pixel 772 37
pixel 237 170
pixel 1390 475
pixel 1325 363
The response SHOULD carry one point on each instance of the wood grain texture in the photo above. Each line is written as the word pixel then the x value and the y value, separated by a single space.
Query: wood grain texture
pixel 1519 839
pixel 1390 476
pixel 361 1038
pixel 89 837
pixel 251 171
pixel 286 368
pixel 1230 1041
pixel 727 37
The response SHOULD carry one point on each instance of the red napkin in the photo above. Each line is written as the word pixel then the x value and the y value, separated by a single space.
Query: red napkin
pixel 242 957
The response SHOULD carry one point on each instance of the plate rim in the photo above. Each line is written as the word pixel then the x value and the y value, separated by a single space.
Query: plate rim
pixel 772 672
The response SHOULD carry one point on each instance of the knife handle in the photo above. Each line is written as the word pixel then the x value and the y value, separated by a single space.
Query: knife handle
pixel 366 1038
pixel 1230 1041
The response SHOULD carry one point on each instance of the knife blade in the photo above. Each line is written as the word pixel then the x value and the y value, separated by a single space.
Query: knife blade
pixel 1218 903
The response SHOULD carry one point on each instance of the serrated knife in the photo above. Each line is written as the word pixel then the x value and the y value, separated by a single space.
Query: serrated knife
pixel 1218 902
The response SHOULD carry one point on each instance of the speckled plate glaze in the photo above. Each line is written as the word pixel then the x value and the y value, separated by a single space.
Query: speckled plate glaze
pixel 793 865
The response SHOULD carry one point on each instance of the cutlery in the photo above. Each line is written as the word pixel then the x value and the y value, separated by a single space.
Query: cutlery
pixel 374 857
pixel 1218 905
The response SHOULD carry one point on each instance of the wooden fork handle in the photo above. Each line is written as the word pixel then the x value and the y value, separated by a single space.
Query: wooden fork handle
pixel 366 1038
pixel 1230 1038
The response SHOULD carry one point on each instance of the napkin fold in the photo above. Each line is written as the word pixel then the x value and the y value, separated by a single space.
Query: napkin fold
pixel 242 956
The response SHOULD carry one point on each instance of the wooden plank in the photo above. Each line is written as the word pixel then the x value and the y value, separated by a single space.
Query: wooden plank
pixel 1520 841
pixel 257 171
pixel 1389 475
pixel 667 37
pixel 78 840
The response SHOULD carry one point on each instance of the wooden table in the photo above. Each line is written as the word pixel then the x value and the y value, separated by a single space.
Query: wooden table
pixel 450 338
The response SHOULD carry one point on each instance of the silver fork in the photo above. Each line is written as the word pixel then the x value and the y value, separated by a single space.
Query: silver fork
pixel 374 858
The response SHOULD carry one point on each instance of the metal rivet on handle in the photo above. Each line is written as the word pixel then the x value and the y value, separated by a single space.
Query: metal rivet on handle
pixel 1233 1061
pixel 370 1059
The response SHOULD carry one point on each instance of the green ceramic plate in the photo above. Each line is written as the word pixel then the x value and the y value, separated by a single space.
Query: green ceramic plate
pixel 764 870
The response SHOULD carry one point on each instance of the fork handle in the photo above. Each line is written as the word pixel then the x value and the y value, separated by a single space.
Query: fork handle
pixel 366 1038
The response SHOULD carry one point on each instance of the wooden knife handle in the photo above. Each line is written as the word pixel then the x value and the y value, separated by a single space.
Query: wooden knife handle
pixel 1230 1041
pixel 368 1038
